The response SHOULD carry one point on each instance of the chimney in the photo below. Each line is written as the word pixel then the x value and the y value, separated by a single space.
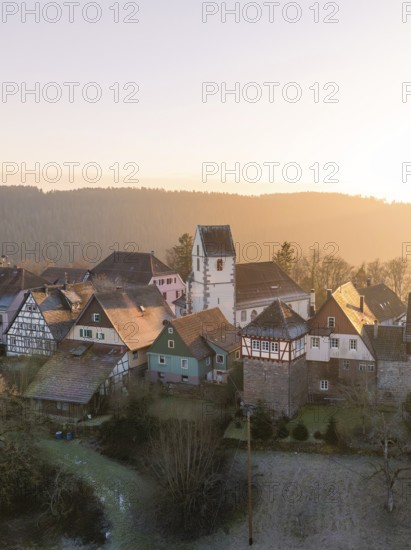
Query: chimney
pixel 329 293
pixel 153 253
pixel 312 302
pixel 375 329
pixel 46 290
pixel 369 281
pixel 65 280
pixel 362 304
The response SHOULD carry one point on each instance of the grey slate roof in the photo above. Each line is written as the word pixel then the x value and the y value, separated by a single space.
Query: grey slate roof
pixel 254 282
pixel 277 321
pixel 217 240
pixel 130 268
pixel 383 302
pixel 389 344
pixel 55 306
pixel 57 275
pixel 15 279
pixel 137 313
pixel 75 379
pixel 195 328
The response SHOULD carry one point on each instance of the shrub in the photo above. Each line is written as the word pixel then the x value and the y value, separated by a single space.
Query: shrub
pixel 300 432
pixel 283 432
pixel 331 433
pixel 261 423
pixel 318 435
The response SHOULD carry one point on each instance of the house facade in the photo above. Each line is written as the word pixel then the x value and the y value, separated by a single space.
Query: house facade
pixel 273 348
pixel 132 318
pixel 339 351
pixel 195 348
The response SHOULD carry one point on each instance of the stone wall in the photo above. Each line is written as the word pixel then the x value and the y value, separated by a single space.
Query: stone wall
pixel 394 381
pixel 282 386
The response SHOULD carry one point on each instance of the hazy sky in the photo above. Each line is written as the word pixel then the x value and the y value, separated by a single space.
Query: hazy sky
pixel 171 132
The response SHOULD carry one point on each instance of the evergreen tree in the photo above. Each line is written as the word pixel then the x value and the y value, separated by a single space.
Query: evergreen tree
pixel 179 257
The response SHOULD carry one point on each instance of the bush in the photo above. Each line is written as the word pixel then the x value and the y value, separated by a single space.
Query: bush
pixel 283 432
pixel 331 433
pixel 300 432
pixel 261 423
pixel 318 435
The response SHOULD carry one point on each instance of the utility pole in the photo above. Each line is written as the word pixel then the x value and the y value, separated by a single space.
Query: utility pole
pixel 250 495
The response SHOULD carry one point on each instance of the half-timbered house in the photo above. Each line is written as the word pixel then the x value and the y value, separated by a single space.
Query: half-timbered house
pixel 273 348
pixel 45 317
pixel 14 283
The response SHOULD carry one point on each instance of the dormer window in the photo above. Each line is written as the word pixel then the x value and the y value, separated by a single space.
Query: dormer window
pixel 220 265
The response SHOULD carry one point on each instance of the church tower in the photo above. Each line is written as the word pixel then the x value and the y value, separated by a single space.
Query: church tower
pixel 212 280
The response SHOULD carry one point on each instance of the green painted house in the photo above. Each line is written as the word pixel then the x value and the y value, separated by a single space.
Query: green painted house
pixel 199 347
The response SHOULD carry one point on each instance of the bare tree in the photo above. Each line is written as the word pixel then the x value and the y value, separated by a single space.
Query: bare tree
pixel 397 276
pixel 186 461
pixel 394 461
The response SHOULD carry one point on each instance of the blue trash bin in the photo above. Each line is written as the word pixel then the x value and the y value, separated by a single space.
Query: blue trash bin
pixel 69 436
pixel 59 435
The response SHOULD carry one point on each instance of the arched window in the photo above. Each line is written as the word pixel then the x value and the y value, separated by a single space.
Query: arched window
pixel 220 265
pixel 253 314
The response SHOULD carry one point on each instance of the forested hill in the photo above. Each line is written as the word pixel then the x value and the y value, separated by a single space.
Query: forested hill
pixel 363 228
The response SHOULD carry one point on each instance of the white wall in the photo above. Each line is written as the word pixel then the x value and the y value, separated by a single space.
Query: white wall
pixel 325 353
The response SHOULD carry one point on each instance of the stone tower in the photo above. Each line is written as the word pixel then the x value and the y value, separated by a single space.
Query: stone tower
pixel 212 280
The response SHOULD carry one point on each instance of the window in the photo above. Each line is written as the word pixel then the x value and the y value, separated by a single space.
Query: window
pixel 165 295
pixel 100 335
pixel 256 345
pixel 331 322
pixel 86 333
pixel 299 345
pixel 13 341
pixel 171 344
pixel 1 319
pixel 323 385
pixel 362 367
pixel 244 315
pixel 346 364
pixel 169 281
pixel 353 345
pixel 177 294
pixel 170 330
pixel 220 359
pixel 96 317
pixel 135 354
pixel 275 347
pixel 334 343
pixel 184 378
pixel 237 355
pixel 371 367
pixel 184 363
pixel 198 264
pixel 175 280
pixel 265 346
pixel 253 314
pixel 315 342
pixel 161 360
pixel 220 265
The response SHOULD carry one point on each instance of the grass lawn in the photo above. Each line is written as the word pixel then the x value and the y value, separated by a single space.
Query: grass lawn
pixel 187 409
pixel 233 432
